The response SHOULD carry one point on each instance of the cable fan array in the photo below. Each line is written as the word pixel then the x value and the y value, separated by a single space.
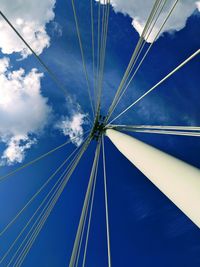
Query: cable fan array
pixel 16 253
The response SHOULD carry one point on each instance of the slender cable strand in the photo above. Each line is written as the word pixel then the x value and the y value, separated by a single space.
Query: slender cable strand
pixel 93 46
pixel 85 219
pixel 81 152
pixel 126 85
pixel 103 56
pixel 12 245
pixel 52 75
pixel 106 203
pixel 87 196
pixel 157 84
pixel 134 55
pixel 156 127
pixel 41 218
pixel 82 55
pixel 98 53
pixel 167 132
pixel 145 55
pixel 37 159
pixel 27 224
pixel 82 235
pixel 36 194
pixel 90 215
pixel 37 221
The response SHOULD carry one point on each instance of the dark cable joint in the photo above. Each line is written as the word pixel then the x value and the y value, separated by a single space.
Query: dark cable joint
pixel 99 127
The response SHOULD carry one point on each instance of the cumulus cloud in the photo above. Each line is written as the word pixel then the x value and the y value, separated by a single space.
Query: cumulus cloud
pixel 16 148
pixel 139 11
pixel 73 127
pixel 24 111
pixel 30 19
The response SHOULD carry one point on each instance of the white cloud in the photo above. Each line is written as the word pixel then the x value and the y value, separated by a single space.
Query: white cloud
pixel 30 19
pixel 198 5
pixel 56 29
pixel 73 127
pixel 16 147
pixel 139 11
pixel 4 63
pixel 23 110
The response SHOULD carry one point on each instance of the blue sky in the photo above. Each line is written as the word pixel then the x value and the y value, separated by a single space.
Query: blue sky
pixel 146 228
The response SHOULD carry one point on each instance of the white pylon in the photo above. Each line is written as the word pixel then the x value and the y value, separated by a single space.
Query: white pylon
pixel 179 181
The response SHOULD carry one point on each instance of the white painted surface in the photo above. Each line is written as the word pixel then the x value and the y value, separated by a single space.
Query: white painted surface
pixel 179 181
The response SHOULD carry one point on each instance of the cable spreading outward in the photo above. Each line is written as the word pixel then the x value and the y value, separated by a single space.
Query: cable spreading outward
pixel 106 202
pixel 3 177
pixel 40 189
pixel 51 199
pixel 83 56
pixel 35 224
pixel 149 22
pixel 126 85
pixel 157 84
pixel 47 210
pixel 93 46
pixel 102 51
pixel 90 215
pixel 84 209
pixel 43 64
pixel 158 129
